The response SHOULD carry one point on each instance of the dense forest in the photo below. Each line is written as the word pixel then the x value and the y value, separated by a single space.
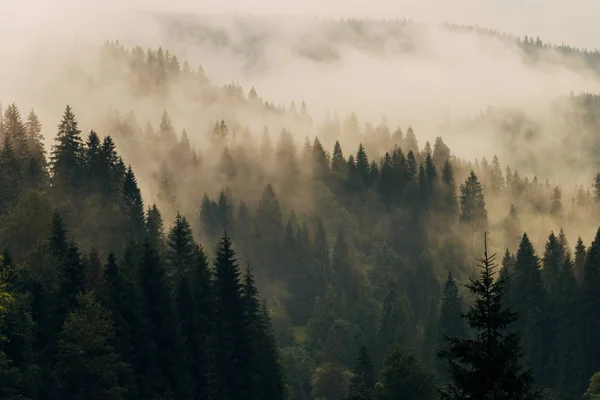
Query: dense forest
pixel 141 261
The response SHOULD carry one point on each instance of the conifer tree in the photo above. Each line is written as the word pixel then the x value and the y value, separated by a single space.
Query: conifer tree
pixel 488 366
pixel 133 206
pixel 590 308
pixel 232 338
pixel 472 204
pixel 338 163
pixel 203 291
pixel 181 248
pixel 123 299
pixel 362 384
pixel 403 377
pixel 362 164
pixel 88 367
pixel 16 132
pixel 164 325
pixel 450 322
pixel 66 160
pixel 448 190
pixel 530 300
pixel 35 139
pixel 155 228
pixel 580 257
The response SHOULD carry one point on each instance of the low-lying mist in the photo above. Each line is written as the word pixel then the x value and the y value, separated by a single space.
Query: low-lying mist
pixel 485 94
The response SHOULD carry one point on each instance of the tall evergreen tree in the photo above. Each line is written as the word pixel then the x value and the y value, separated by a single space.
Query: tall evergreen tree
pixel 181 248
pixel 66 160
pixel 487 367
pixel 164 325
pixel 233 344
pixel 472 204
pixel 88 367
pixel 450 322
pixel 590 307
pixel 529 298
pixel 362 384
pixel 133 206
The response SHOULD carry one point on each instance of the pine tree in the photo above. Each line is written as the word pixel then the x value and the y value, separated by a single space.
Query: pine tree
pixel 88 367
pixel 233 344
pixel 205 307
pixel 338 163
pixel 265 375
pixel 590 308
pixel 448 191
pixel 362 384
pixel 16 131
pixel 487 367
pixel 181 248
pixel 472 204
pixel 133 206
pixel 35 139
pixel 580 257
pixel 530 299
pixel 164 325
pixel 66 160
pixel 362 164
pixel 450 322
pixel 155 228
pixel 123 298
pixel 403 377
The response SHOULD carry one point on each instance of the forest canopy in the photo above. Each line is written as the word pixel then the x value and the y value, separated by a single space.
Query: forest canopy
pixel 256 251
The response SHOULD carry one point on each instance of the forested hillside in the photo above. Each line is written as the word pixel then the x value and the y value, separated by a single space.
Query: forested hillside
pixel 287 259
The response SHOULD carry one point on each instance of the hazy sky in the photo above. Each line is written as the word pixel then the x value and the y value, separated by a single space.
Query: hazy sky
pixel 573 21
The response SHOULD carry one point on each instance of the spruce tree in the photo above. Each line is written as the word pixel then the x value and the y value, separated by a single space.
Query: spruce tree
pixel 590 308
pixel 35 139
pixel 472 205
pixel 88 366
pixel 133 206
pixel 403 377
pixel 231 330
pixel 66 160
pixel 181 248
pixel 122 296
pixel 164 325
pixel 488 366
pixel 203 291
pixel 362 383
pixel 155 231
pixel 448 191
pixel 580 257
pixel 529 298
pixel 450 322
pixel 16 131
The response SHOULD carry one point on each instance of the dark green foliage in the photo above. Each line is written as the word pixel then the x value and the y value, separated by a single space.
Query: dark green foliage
pixel 450 321
pixel 66 160
pixel 402 377
pixel 88 367
pixel 170 326
pixel 362 384
pixel 529 298
pixel 590 307
pixel 181 248
pixel 133 206
pixel 233 345
pixel 487 367
pixel 472 205
pixel 164 327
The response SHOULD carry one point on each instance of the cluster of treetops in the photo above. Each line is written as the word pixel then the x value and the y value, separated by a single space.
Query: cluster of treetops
pixel 155 319
pixel 117 307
